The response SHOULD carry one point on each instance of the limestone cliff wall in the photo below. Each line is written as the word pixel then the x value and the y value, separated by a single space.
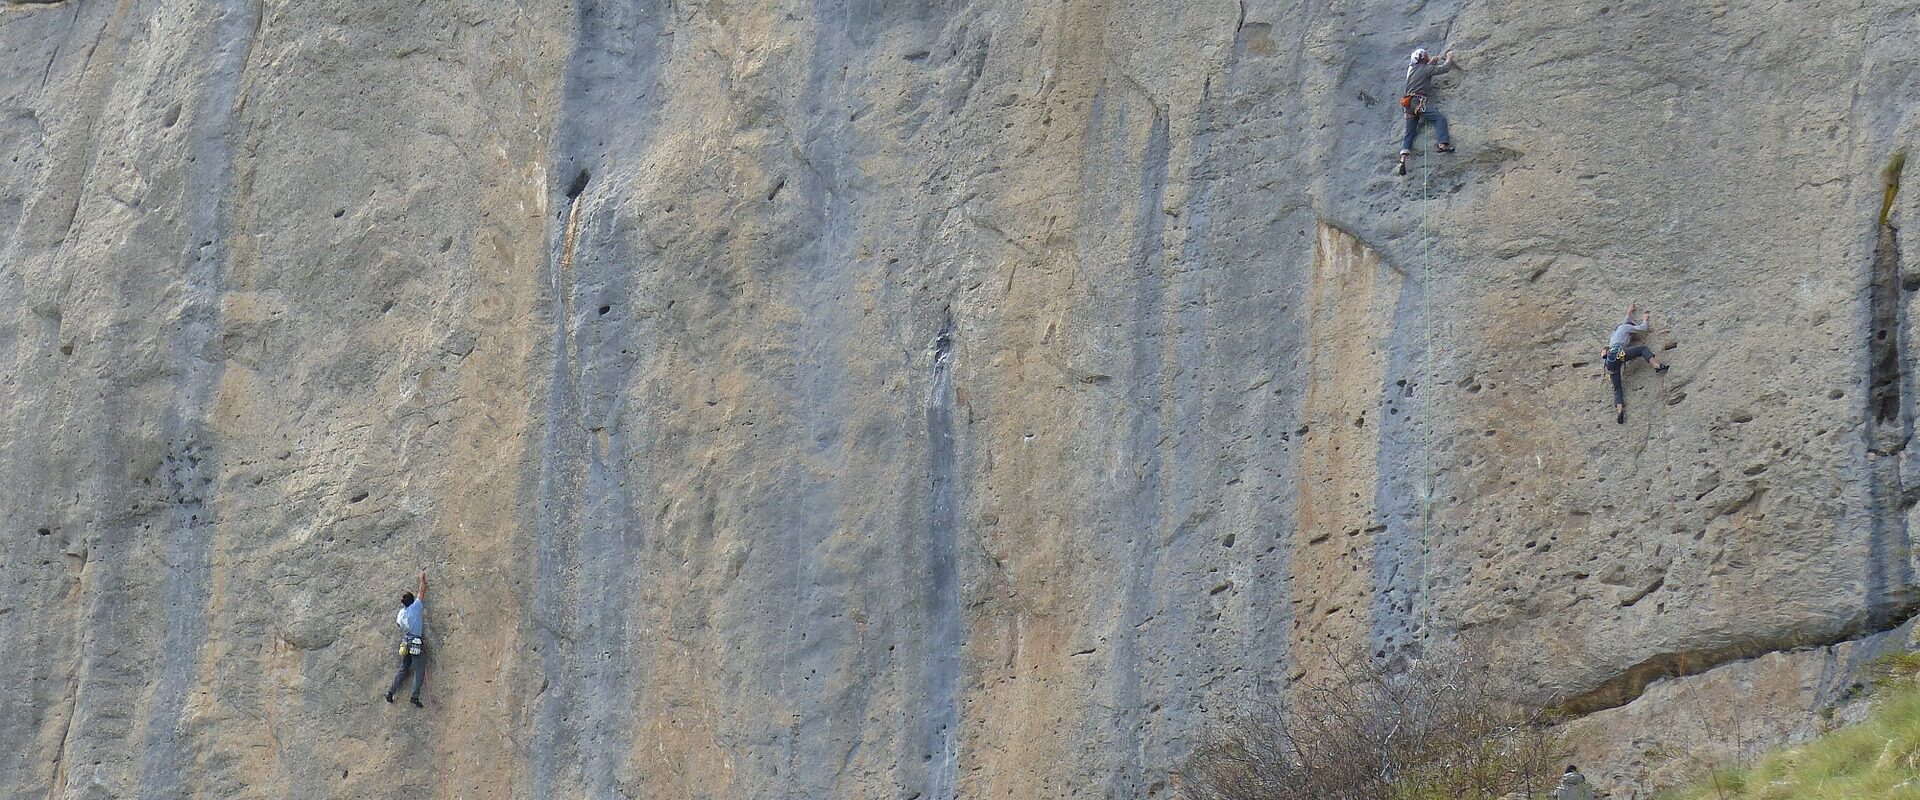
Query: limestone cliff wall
pixel 865 398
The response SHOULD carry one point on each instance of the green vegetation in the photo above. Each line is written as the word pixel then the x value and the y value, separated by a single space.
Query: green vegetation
pixel 1895 671
pixel 1879 758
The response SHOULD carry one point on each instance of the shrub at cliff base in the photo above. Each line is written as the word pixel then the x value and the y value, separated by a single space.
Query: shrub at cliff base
pixel 1440 729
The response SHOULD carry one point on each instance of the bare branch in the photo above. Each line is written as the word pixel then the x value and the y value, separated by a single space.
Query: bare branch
pixel 1437 729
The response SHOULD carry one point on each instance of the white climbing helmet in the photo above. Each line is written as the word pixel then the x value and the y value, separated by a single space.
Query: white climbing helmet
pixel 1419 54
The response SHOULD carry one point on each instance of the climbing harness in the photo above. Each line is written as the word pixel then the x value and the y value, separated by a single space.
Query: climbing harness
pixel 412 646
pixel 1413 105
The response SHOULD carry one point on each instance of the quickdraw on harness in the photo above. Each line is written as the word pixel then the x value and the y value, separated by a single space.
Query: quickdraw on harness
pixel 1413 104
pixel 412 646
pixel 1614 355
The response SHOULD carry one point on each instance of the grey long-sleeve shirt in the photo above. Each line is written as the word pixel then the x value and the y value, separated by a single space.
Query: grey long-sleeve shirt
pixel 1420 76
pixel 1574 786
pixel 1623 335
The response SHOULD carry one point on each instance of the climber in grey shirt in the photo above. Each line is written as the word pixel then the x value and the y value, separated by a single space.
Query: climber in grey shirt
pixel 1417 101
pixel 1623 333
pixel 413 626
pixel 1421 70
pixel 1573 786
pixel 1621 350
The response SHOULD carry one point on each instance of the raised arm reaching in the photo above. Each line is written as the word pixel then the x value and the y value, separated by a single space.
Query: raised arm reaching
pixel 413 628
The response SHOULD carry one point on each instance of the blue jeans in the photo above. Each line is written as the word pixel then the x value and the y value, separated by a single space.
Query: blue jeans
pixel 1413 128
pixel 1614 367
pixel 414 664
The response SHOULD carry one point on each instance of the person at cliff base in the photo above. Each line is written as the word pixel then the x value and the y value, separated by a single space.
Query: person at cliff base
pixel 1621 351
pixel 412 622
pixel 1573 786
pixel 1417 102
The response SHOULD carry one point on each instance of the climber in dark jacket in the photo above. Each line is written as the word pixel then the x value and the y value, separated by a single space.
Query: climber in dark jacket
pixel 1621 350
pixel 1417 100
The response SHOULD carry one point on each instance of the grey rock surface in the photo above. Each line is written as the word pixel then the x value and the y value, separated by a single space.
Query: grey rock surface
pixel 937 399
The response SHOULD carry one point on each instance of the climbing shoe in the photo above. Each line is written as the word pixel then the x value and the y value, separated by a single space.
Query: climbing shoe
pixel 1620 418
pixel 1662 368
pixel 389 697
pixel 416 702
pixel 1443 148
pixel 1403 161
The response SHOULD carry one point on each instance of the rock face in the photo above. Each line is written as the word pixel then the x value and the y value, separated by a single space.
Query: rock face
pixel 1681 729
pixel 916 399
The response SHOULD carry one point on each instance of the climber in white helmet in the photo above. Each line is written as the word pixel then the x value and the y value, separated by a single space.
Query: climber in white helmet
pixel 1417 102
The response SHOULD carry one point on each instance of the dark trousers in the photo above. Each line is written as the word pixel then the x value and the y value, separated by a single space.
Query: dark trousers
pixel 1413 128
pixel 1614 367
pixel 414 664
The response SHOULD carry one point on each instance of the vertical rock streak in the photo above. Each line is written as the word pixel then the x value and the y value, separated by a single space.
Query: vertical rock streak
pixel 945 636
pixel 554 749
pixel 1889 424
pixel 555 551
pixel 586 548
pixel 609 537
pixel 86 722
pixel 1143 525
pixel 1351 564
pixel 192 464
pixel 1406 417
pixel 589 535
